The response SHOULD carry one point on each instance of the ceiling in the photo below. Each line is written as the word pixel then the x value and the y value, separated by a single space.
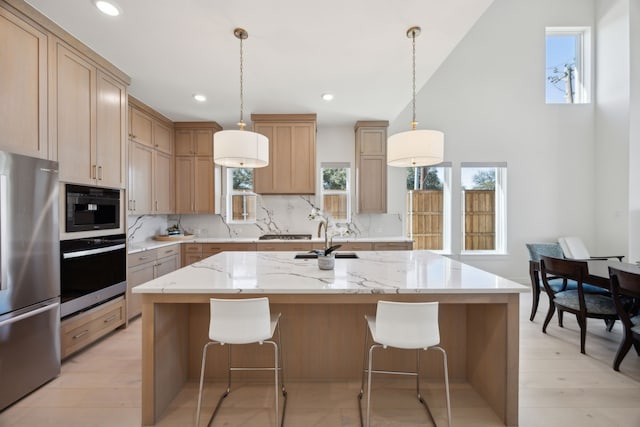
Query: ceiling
pixel 296 51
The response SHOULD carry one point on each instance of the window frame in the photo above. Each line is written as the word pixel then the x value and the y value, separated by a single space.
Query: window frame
pixel 347 192
pixel 583 79
pixel 500 209
pixel 446 209
pixel 244 193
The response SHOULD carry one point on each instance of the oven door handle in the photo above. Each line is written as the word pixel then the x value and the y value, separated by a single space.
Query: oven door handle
pixel 78 254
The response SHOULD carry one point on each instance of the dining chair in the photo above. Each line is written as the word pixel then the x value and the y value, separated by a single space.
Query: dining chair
pixel 244 321
pixel 411 326
pixel 625 289
pixel 577 301
pixel 557 284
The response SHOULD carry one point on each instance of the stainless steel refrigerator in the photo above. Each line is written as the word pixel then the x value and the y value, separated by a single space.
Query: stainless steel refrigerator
pixel 30 275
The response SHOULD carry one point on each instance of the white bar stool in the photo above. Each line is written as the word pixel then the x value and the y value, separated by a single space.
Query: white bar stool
pixel 412 326
pixel 244 321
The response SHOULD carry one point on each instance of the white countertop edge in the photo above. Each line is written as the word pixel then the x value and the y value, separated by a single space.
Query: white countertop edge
pixel 146 245
pixel 377 291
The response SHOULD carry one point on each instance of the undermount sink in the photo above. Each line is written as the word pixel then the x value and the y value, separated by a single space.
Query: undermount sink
pixel 311 255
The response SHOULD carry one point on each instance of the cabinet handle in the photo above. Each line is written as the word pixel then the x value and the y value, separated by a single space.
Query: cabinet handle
pixel 110 318
pixel 81 334
pixel 143 258
pixel 156 205
pixel 99 173
pixel 93 171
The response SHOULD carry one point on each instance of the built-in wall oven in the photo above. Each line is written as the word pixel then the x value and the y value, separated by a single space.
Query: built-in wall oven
pixel 92 271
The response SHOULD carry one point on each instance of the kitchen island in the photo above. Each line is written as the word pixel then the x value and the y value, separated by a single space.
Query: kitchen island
pixel 322 319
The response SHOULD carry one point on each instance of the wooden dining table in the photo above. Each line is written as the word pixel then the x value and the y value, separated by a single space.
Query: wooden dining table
pixel 599 271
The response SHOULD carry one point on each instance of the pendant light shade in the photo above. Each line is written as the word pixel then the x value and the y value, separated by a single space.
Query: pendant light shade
pixel 240 148
pixel 415 148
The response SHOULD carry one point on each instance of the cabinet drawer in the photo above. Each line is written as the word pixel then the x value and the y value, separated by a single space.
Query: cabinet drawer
pixel 392 246
pixel 355 246
pixel 167 251
pixel 192 248
pixel 141 257
pixel 81 330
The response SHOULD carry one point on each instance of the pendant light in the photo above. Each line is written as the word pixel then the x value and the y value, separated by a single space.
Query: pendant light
pixel 240 148
pixel 415 148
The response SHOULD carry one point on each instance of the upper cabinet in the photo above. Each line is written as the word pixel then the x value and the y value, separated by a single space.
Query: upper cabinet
pixel 151 162
pixel 90 116
pixel 23 87
pixel 292 153
pixel 371 166
pixel 195 191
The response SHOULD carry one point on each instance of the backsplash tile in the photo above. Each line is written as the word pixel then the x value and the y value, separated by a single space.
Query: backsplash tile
pixel 275 215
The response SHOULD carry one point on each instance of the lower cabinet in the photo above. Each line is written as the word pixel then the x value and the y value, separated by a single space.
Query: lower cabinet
pixel 194 252
pixel 79 331
pixel 145 266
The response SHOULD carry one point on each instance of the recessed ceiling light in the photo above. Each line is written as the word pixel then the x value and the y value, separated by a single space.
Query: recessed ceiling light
pixel 199 97
pixel 108 7
pixel 327 96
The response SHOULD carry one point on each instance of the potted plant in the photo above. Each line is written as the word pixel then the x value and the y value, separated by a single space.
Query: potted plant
pixel 326 256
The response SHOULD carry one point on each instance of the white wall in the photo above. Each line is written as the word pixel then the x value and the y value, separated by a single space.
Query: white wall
pixel 611 200
pixel 634 134
pixel 488 98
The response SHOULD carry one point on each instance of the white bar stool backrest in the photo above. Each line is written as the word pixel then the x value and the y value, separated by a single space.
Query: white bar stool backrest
pixel 240 321
pixel 407 325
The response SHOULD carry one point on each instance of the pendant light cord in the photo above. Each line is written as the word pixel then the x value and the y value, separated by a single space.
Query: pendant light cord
pixel 241 123
pixel 413 43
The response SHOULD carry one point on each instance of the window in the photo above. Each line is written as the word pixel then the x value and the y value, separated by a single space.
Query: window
pixel 429 207
pixel 241 200
pixel 336 199
pixel 484 221
pixel 568 65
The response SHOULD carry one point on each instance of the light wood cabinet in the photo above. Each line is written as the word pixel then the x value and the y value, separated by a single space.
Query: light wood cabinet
pixel 140 126
pixel 371 166
pixel 23 85
pixel 194 168
pixel 292 153
pixel 151 164
pixel 194 252
pixel 79 331
pixel 145 266
pixel 90 113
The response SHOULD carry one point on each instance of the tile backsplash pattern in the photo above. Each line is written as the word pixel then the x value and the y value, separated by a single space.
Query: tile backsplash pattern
pixel 275 215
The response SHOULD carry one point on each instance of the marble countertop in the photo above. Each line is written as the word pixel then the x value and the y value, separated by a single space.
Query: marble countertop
pixel 374 272
pixel 153 244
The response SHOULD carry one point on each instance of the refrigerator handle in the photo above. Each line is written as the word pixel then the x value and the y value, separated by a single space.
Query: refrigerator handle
pixel 29 314
pixel 3 233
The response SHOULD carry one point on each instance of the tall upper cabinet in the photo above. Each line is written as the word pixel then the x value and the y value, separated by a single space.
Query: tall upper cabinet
pixel 23 86
pixel 371 166
pixel 195 177
pixel 90 112
pixel 151 161
pixel 60 100
pixel 292 153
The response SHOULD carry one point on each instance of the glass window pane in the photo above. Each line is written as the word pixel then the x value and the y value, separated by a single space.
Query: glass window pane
pixel 479 198
pixel 334 179
pixel 242 179
pixel 336 206
pixel 426 201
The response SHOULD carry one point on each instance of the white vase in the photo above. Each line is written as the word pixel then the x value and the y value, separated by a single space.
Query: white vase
pixel 326 262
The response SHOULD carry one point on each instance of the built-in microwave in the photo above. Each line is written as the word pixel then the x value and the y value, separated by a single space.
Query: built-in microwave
pixel 91 208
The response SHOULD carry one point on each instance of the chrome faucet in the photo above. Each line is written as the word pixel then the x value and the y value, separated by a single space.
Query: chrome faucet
pixel 325 232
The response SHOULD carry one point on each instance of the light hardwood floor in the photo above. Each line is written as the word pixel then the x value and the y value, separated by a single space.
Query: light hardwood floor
pixel 100 387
